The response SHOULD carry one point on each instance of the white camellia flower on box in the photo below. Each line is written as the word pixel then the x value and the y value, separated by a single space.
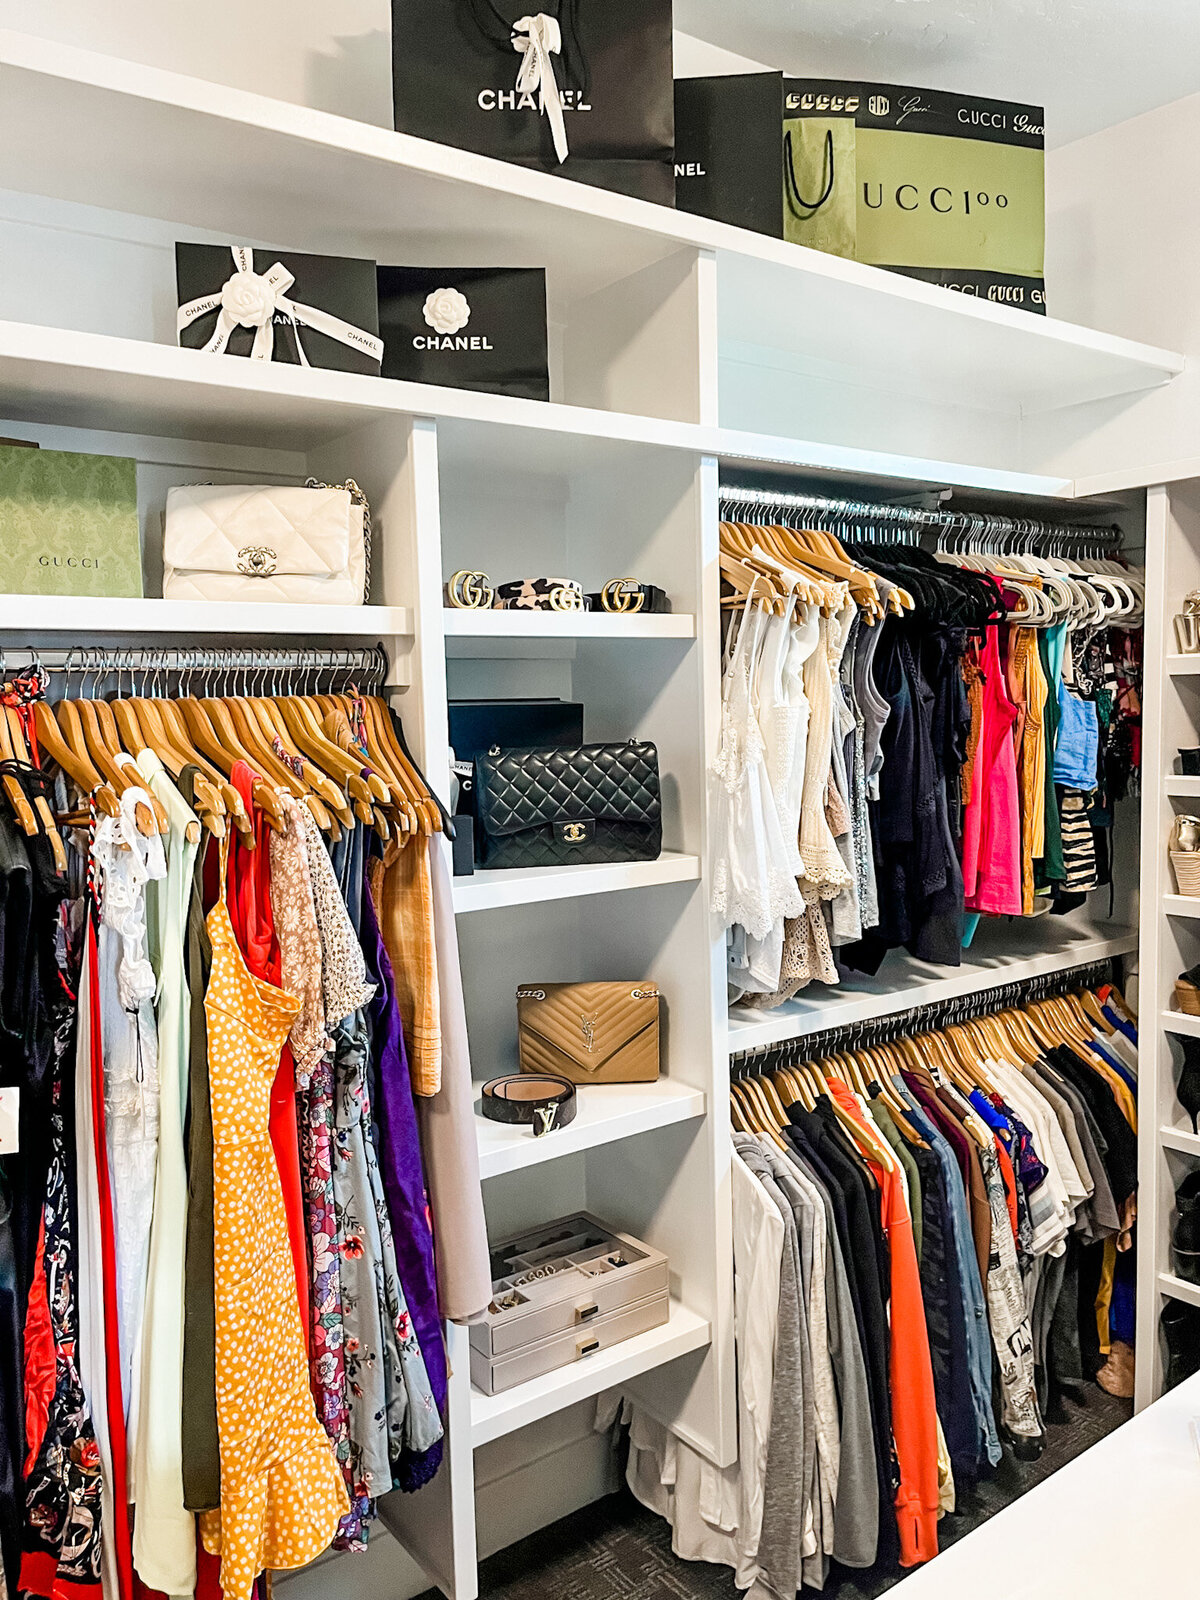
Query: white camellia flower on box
pixel 447 311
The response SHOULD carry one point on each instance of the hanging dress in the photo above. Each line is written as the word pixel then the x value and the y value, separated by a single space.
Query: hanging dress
pixel 282 1494
pixel 129 861
pixel 164 1532
pixel 249 888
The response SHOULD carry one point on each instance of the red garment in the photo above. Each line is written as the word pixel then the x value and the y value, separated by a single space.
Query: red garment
pixel 992 815
pixel 914 1408
pixel 1010 1184
pixel 117 1446
pixel 41 1362
pixel 254 927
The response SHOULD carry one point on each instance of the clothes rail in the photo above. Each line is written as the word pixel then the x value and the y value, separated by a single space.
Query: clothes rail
pixel 919 1019
pixel 213 670
pixel 757 505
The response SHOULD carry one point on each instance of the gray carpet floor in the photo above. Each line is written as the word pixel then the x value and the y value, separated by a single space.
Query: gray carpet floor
pixel 616 1550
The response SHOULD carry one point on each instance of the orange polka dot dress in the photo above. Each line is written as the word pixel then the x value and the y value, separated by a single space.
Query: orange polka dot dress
pixel 282 1493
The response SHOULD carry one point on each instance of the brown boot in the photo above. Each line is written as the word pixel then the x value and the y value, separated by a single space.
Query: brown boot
pixel 1116 1375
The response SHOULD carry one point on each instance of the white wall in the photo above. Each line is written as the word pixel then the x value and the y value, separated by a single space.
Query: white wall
pixel 334 57
pixel 1123 255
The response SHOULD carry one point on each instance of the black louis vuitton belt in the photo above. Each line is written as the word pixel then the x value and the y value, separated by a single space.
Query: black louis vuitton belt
pixel 542 1103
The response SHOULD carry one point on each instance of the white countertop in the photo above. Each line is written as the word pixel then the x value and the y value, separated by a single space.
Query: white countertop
pixel 1121 1520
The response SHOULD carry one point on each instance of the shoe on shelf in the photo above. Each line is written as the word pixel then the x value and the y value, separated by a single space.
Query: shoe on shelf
pixel 1185 1235
pixel 1180 1328
pixel 1187 1090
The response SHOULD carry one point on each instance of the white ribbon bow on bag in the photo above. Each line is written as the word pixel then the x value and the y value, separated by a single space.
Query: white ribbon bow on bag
pixel 250 299
pixel 537 39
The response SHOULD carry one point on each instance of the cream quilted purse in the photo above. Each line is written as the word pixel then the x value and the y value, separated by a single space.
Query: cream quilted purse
pixel 309 545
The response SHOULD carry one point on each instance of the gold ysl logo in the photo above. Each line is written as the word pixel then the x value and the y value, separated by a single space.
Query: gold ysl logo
pixel 587 1025
pixel 574 832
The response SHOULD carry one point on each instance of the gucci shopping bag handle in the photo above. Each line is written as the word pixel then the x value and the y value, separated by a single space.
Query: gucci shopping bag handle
pixel 795 199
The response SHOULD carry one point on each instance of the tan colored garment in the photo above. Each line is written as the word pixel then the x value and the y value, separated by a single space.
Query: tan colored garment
pixel 404 901
pixel 447 1124
pixel 299 939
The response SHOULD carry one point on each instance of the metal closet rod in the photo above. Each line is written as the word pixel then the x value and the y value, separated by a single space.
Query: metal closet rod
pixel 985 524
pixel 919 1019
pixel 222 669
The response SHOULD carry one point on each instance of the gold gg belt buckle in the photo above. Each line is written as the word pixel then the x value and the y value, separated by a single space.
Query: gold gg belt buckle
pixel 622 595
pixel 470 591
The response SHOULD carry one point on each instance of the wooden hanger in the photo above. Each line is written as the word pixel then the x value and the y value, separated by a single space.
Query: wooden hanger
pixel 219 740
pixel 142 727
pixel 73 759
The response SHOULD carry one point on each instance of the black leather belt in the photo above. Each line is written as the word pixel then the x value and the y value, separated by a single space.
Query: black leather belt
pixel 543 1103
pixel 624 597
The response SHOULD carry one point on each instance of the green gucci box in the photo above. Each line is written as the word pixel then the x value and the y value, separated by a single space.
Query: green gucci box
pixel 68 523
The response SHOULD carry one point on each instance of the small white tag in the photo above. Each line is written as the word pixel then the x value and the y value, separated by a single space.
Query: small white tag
pixel 10 1107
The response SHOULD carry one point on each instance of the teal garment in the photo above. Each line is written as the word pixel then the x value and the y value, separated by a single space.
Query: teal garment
pixel 886 1124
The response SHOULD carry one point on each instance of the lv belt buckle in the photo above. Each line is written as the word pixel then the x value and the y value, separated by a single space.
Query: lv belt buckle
pixel 544 1120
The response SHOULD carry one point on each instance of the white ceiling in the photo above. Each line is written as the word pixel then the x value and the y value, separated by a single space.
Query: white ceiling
pixel 1091 63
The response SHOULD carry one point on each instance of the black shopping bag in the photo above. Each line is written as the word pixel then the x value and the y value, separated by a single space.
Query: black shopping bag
pixel 583 88
pixel 273 305
pixel 467 327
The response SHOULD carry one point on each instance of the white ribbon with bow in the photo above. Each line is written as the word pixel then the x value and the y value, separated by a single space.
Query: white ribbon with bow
pixel 537 39
pixel 250 299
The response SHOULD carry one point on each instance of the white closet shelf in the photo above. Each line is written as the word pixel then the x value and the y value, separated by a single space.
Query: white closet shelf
pixel 1176 1288
pixel 565 625
pixel 1179 787
pixel 492 1416
pixel 1183 666
pixel 606 1112
pixel 1181 905
pixel 486 891
pixel 1182 1140
pixel 739 449
pixel 999 955
pixel 55 613
pixel 1179 1022
pixel 210 157
pixel 96 380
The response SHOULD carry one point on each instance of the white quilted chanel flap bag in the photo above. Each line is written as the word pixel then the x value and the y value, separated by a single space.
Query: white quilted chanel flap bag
pixel 263 542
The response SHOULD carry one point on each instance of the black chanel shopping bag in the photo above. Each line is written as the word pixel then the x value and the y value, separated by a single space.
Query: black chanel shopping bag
pixel 582 88
pixel 467 327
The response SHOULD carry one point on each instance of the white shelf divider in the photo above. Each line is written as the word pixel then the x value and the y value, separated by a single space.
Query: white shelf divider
pixel 1182 1140
pixel 904 983
pixel 1181 905
pixel 1181 787
pixel 485 891
pixel 31 613
pixel 565 625
pixel 1178 1288
pixel 606 1112
pixel 1183 666
pixel 1180 1022
pixel 492 1416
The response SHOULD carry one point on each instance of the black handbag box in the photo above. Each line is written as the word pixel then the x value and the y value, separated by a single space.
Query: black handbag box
pixel 338 287
pixel 467 328
pixel 477 725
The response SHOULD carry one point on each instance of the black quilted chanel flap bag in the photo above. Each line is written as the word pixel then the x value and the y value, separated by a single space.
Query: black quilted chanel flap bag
pixel 556 808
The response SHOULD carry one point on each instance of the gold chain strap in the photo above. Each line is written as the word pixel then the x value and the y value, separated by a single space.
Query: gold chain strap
pixel 358 498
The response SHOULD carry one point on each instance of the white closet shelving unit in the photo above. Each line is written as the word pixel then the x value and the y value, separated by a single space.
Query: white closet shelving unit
pixel 1168 1149
pixel 678 346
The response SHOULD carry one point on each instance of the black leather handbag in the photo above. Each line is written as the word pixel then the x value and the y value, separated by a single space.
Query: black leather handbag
pixel 559 808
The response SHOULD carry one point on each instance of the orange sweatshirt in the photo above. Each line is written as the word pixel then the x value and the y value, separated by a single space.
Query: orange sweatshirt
pixel 914 1409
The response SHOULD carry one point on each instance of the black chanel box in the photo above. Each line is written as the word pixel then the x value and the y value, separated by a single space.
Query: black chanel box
pixel 467 328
